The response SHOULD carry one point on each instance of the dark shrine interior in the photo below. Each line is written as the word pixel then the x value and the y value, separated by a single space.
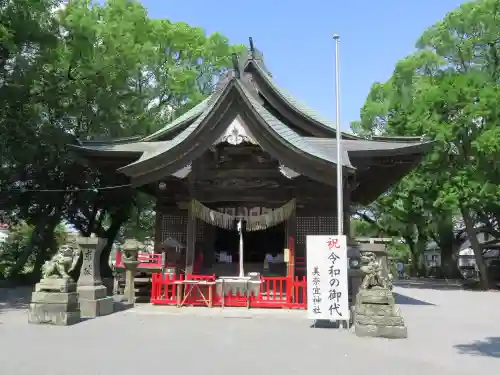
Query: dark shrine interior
pixel 256 244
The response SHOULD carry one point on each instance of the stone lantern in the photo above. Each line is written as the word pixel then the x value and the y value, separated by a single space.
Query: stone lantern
pixel 130 252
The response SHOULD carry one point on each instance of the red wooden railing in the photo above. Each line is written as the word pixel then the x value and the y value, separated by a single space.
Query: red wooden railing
pixel 296 264
pixel 145 260
pixel 298 293
pixel 300 264
pixel 275 292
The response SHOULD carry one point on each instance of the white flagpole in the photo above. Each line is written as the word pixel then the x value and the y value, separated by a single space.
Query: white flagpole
pixel 240 231
pixel 340 190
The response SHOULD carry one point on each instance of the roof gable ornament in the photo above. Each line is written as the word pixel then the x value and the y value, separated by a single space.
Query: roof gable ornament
pixel 236 134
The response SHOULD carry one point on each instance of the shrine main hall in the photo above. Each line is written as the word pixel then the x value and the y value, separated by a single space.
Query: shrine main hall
pixel 252 151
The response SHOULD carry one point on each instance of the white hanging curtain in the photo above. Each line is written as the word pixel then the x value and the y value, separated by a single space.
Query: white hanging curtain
pixel 254 223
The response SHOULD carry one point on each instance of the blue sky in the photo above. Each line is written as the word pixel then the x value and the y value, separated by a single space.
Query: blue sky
pixel 296 39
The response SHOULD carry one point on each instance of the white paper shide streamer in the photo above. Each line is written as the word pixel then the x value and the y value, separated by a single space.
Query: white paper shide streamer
pixel 253 223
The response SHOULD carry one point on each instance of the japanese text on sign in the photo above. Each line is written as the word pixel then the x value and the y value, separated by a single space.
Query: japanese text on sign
pixel 327 278
pixel 316 282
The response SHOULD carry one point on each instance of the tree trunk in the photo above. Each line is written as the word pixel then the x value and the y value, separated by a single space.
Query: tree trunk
pixel 25 255
pixel 48 243
pixel 47 249
pixel 413 256
pixel 75 273
pixel 420 248
pixel 35 242
pixel 448 263
pixel 476 247
pixel 111 235
pixel 446 241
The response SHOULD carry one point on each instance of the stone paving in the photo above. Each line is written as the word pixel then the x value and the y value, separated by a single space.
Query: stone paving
pixel 450 332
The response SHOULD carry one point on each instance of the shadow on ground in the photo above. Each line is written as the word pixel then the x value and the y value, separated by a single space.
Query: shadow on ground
pixel 14 298
pixel 489 347
pixel 330 324
pixel 405 300
pixel 435 284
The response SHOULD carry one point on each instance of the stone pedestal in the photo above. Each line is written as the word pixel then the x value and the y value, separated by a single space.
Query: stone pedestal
pixel 377 316
pixel 93 296
pixel 54 301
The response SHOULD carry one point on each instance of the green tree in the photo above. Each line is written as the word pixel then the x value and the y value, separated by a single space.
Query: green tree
pixel 448 91
pixel 92 70
pixel 18 240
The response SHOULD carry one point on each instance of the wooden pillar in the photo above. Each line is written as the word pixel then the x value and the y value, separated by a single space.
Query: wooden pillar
pixel 191 240
pixel 291 231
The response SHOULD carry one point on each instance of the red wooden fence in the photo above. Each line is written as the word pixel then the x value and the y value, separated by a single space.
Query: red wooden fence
pixel 275 292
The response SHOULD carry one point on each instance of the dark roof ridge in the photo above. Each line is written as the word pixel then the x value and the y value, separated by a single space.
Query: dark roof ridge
pixel 110 141
pixel 397 138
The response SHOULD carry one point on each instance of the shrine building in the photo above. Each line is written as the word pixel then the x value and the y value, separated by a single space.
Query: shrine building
pixel 252 151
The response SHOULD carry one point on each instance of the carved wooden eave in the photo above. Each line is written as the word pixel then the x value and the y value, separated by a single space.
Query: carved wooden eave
pixel 378 178
pixel 183 172
pixel 239 184
pixel 288 172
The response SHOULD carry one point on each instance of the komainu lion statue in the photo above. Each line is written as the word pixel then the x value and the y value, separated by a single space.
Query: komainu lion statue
pixel 374 277
pixel 61 264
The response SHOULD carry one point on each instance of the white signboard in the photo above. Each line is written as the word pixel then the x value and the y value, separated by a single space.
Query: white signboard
pixel 327 279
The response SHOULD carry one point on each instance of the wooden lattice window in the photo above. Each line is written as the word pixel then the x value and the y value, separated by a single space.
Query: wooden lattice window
pixel 315 225
pixel 306 225
pixel 174 226
pixel 327 225
pixel 200 228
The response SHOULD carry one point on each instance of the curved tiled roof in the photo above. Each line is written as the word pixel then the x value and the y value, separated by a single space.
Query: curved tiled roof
pixel 319 148
pixel 196 130
pixel 154 158
pixel 180 121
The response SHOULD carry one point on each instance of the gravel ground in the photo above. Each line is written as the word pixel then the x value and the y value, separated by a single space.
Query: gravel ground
pixel 450 332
